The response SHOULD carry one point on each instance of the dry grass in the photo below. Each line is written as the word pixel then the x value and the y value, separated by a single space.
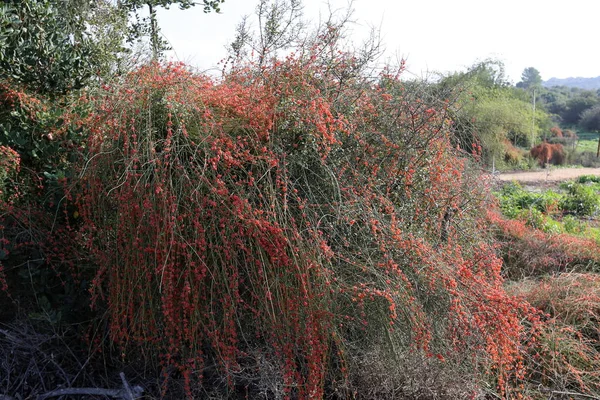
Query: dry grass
pixel 566 357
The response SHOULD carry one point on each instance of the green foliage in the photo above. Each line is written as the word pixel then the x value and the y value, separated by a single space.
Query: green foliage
pixel 552 226
pixel 567 104
pixel 588 178
pixel 573 225
pixel 37 128
pixel 533 217
pixel 492 113
pixel 53 47
pixel 530 79
pixel 590 119
pixel 537 209
pixel 50 51
pixel 208 5
pixel 577 105
pixel 514 200
pixel 580 200
pixel 554 100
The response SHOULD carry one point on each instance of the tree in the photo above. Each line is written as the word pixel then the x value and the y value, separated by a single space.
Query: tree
pixel 149 26
pixel 590 119
pixel 577 105
pixel 530 78
pixel 52 47
pixel 531 81
pixel 554 100
pixel 490 112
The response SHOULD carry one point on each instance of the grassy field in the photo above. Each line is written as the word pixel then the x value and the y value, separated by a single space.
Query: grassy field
pixel 587 145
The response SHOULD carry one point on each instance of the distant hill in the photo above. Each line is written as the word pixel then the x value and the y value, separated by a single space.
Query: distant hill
pixel 583 83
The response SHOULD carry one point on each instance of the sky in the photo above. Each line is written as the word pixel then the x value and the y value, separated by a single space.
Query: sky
pixel 559 39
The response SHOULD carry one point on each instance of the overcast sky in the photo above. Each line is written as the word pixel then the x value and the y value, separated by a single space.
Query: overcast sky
pixel 558 38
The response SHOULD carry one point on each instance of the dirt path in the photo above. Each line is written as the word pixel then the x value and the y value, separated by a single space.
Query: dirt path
pixel 551 175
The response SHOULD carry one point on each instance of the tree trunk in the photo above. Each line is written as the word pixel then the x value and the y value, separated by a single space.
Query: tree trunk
pixel 153 32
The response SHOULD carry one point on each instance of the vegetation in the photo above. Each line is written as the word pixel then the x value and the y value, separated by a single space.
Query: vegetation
pixel 47 47
pixel 494 115
pixel 567 104
pixel 303 226
pixel 550 252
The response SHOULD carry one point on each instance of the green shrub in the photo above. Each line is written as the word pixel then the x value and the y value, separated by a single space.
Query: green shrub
pixel 552 226
pixel 572 225
pixel 514 199
pixel 580 199
pixel 588 178
pixel 585 158
pixel 533 218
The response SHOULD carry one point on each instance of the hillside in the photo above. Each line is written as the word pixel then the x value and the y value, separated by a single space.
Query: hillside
pixel 583 83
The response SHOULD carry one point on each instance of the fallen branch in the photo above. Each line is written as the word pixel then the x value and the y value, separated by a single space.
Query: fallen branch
pixel 126 393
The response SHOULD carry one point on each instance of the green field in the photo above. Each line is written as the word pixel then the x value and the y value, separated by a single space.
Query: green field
pixel 587 145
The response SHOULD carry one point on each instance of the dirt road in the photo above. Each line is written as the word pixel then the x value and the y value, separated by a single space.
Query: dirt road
pixel 550 175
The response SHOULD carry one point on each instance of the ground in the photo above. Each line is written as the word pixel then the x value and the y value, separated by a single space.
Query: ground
pixel 546 175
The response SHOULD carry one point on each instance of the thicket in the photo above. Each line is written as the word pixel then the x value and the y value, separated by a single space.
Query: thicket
pixel 300 227
pixel 293 229
pixel 288 224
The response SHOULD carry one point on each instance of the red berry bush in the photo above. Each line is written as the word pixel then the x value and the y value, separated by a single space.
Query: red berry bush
pixel 274 228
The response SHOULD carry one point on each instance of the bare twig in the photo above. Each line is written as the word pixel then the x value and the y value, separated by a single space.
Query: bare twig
pixel 587 396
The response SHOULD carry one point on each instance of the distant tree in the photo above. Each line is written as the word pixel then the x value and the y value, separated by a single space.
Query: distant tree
pixel 590 119
pixel 489 73
pixel 497 113
pixel 149 26
pixel 577 105
pixel 553 100
pixel 530 78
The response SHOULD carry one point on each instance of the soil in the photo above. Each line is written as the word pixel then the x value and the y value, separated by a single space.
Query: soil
pixel 546 176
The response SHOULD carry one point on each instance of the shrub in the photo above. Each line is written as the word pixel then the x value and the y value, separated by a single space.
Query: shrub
pixel 531 252
pixel 271 217
pixel 573 225
pixel 515 201
pixel 586 159
pixel 555 131
pixel 533 217
pixel 588 178
pixel 546 153
pixel 9 166
pixel 568 133
pixel 580 199
pixel 512 155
